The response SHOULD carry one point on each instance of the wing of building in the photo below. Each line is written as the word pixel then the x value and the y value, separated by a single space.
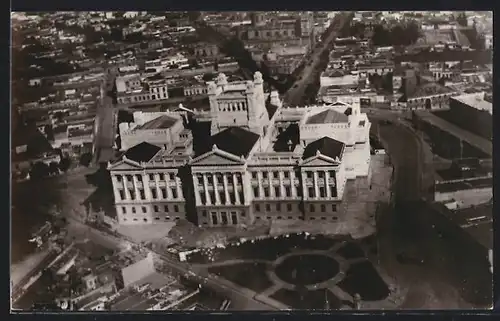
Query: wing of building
pixel 262 161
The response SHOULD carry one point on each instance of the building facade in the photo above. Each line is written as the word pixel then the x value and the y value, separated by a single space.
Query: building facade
pixel 252 170
pixel 135 89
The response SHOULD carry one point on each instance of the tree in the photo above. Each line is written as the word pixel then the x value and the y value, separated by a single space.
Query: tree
pixel 39 170
pixel 49 132
pixel 64 164
pixel 86 159
pixel 462 19
pixel 53 168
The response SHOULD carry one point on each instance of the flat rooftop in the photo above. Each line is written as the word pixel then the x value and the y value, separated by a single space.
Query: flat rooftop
pixel 474 140
pixel 478 222
pixel 476 101
pixel 448 187
pixel 328 116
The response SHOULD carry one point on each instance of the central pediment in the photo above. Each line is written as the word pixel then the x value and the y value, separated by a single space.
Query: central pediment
pixel 217 157
pixel 123 165
pixel 320 160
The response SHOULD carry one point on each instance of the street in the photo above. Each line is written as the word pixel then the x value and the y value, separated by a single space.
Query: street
pixel 429 285
pixel 106 123
pixel 295 94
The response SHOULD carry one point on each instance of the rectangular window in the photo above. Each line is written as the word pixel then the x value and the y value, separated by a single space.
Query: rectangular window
pixel 223 216
pixel 144 209
pixel 174 193
pixel 286 174
pixel 257 207
pixel 331 174
pixel 333 191
pixel 309 174
pixel 163 193
pixel 321 174
pixel 200 180
pixel 289 207
pixel 334 207
pixel 129 178
pixel 219 179
pixel 124 210
pixel 171 176
pixel 266 191
pixel 143 194
pixel 176 208
pixel 166 208
pixel 139 178
pixel 242 197
pixel 133 209
pixel 214 218
pixel 322 192
pixel 204 213
pixel 277 191
pixel 162 176
pixel 155 207
pixel 151 177
pixel 122 194
pixel 299 192
pixel 278 207
pixel 264 174
pixel 275 174
pixel 311 191
pixel 234 218
pixel 256 192
pixel 268 208
pixel 222 198
pixel 118 178
pixel 132 194
pixel 254 175
pixel 323 208
pixel 232 197
pixel 311 208
pixel 154 193
pixel 287 191
pixel 212 197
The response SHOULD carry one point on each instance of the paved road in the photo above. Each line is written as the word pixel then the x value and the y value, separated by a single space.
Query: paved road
pixel 106 123
pixel 294 96
pixel 430 285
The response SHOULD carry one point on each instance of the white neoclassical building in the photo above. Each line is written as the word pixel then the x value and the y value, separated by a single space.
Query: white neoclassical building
pixel 261 162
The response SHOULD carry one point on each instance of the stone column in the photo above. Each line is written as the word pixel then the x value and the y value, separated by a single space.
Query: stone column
pixel 157 186
pixel 259 182
pixel 282 188
pixel 115 188
pixel 205 186
pixel 125 186
pixel 316 185
pixel 226 189
pixel 178 187
pixel 292 184
pixel 236 193
pixel 216 191
pixel 136 188
pixel 168 187
pixel 327 184
pixel 304 186
pixel 145 185
pixel 196 190
pixel 271 186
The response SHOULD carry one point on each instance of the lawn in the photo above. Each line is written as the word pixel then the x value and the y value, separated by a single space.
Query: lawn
pixel 351 251
pixel 249 275
pixel 362 278
pixel 267 249
pixel 309 300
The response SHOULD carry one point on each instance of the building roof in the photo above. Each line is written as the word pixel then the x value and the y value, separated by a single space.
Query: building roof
pixel 271 109
pixel 328 116
pixel 162 122
pixel 475 101
pixel 453 186
pixel 142 152
pixel 428 89
pixel 326 146
pixel 234 140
